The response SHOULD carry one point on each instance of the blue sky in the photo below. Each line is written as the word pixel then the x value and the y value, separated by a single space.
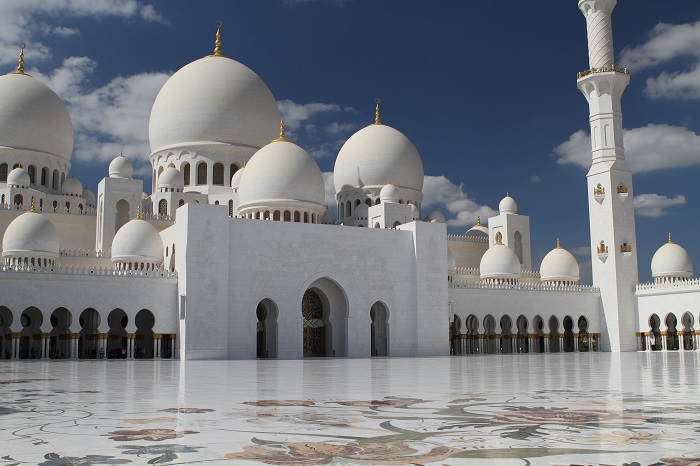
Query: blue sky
pixel 485 90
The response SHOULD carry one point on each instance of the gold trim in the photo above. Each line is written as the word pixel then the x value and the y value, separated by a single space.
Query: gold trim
pixel 283 137
pixel 217 42
pixel 377 120
pixel 20 62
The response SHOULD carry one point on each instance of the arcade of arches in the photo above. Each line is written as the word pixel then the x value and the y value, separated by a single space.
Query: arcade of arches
pixel 505 336
pixel 53 335
pixel 669 334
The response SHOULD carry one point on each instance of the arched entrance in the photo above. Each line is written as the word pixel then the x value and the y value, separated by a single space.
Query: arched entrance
pixel 687 321
pixel 121 216
pixel 472 346
pixel 655 330
pixel 568 334
pixel 379 329
pixel 88 343
pixel 324 313
pixel 583 334
pixel 538 326
pixel 117 340
pixel 523 342
pixel 5 332
pixel 30 339
pixel 60 343
pixel 554 335
pixel 143 342
pixel 672 343
pixel 506 334
pixel 266 313
pixel 490 343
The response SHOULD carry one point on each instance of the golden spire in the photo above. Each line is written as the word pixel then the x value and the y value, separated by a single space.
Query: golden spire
pixel 558 244
pixel 478 221
pixel 282 137
pixel 217 42
pixel 138 213
pixel 377 120
pixel 499 238
pixel 20 63
pixel 670 241
pixel 33 207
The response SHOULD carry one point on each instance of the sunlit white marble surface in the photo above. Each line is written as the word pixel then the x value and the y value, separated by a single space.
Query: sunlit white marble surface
pixel 597 408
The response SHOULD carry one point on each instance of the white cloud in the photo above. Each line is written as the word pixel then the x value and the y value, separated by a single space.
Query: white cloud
pixel 440 192
pixel 294 114
pixel 535 178
pixel 655 205
pixel 108 118
pixel 678 85
pixel 19 22
pixel 650 148
pixel 666 42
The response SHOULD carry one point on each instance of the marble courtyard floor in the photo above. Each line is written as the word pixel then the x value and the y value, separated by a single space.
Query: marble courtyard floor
pixel 598 409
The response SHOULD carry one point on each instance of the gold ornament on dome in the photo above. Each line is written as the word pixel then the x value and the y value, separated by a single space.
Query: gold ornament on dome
pixel 377 119
pixel 217 42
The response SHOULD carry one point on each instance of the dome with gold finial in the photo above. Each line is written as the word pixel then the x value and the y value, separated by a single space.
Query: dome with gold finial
pixel 213 100
pixel 30 239
pixel 670 262
pixel 18 178
pixel 121 167
pixel 559 266
pixel 376 154
pixel 478 229
pixel 499 262
pixel 137 242
pixel 33 119
pixel 281 174
pixel 171 179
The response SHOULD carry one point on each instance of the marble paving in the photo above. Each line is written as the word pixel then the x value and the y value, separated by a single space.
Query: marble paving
pixel 554 409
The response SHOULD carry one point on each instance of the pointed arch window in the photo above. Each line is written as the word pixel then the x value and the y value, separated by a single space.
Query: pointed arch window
pixel 202 173
pixel 218 174
pixel 186 173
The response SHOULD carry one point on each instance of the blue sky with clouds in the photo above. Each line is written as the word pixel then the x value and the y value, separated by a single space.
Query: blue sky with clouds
pixel 485 90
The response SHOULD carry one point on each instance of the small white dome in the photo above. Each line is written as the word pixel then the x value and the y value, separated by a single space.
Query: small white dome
pixel 18 178
pixel 508 205
pixel 213 99
pixel 137 241
pixel 328 217
pixel 89 196
pixel 389 194
pixel 31 235
pixel 121 167
pixel 171 177
pixel 499 262
pixel 373 156
pixel 415 213
pixel 281 173
pixel 559 265
pixel 361 211
pixel 236 178
pixel 671 260
pixel 32 117
pixel 72 187
pixel 478 229
pixel 436 216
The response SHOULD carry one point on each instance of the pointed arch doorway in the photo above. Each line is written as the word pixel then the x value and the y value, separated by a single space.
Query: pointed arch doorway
pixel 324 312
pixel 314 325
pixel 379 330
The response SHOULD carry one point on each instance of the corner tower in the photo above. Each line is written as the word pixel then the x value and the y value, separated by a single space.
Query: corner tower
pixel 610 194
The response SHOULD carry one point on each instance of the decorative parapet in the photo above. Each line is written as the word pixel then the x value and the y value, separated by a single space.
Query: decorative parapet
pixel 155 216
pixel 467 271
pixel 91 211
pixel 624 247
pixel 529 274
pixel 468 239
pixel 670 285
pixel 524 286
pixel 604 69
pixel 622 189
pixel 84 253
pixel 87 270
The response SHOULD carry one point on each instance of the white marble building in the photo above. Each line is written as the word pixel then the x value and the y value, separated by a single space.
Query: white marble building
pixel 235 256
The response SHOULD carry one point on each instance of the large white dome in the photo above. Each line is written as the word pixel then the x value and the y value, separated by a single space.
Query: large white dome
pixel 499 262
pixel 137 241
pixel 671 260
pixel 559 265
pixel 33 118
pixel 281 173
pixel 375 156
pixel 213 99
pixel 31 235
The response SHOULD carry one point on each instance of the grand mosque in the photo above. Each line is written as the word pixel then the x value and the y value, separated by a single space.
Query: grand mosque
pixel 234 254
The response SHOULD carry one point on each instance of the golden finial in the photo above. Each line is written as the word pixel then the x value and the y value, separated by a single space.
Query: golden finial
pixel 20 63
pixel 499 238
pixel 558 244
pixel 138 213
pixel 217 42
pixel 377 120
pixel 33 207
pixel 282 137
pixel 670 241
pixel 478 221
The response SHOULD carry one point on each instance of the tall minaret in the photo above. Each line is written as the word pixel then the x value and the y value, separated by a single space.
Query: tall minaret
pixel 610 194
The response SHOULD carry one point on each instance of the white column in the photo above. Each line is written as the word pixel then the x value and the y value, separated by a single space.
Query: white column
pixel 561 343
pixel 647 341
pixel 130 346
pixel 156 345
pixel 45 338
pixel 546 343
pixel 74 345
pixel 576 342
pixel 15 345
pixel 481 343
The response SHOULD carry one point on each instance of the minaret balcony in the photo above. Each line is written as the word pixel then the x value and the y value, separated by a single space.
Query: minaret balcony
pixel 599 193
pixel 626 249
pixel 602 251
pixel 604 69
pixel 623 191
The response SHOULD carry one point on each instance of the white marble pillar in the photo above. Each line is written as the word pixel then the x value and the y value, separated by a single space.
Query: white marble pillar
pixel 15 345
pixel 546 343
pixel 576 342
pixel 156 345
pixel 130 346
pixel 45 339
pixel 74 345
pixel 561 343
pixel 480 347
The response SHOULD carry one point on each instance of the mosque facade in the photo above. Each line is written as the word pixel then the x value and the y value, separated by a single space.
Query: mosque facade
pixel 234 254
